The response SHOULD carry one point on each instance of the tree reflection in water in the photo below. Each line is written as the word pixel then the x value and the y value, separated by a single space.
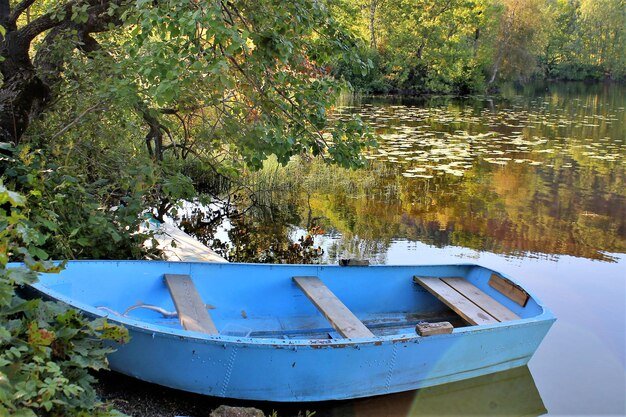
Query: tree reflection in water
pixel 533 174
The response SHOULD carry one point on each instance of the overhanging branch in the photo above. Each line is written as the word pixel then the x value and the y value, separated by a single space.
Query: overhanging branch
pixel 19 9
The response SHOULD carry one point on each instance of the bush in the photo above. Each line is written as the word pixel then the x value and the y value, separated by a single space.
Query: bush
pixel 47 349
pixel 72 218
pixel 569 71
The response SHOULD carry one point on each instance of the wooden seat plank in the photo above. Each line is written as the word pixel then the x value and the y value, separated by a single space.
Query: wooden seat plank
pixel 469 311
pixel 192 312
pixel 339 316
pixel 509 289
pixel 482 300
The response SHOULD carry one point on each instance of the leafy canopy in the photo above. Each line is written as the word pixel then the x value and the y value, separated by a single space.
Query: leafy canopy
pixel 247 78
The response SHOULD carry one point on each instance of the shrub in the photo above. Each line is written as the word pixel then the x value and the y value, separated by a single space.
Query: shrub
pixel 47 350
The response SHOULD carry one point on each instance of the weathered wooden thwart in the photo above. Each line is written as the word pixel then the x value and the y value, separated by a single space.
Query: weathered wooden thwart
pixel 342 319
pixel 192 312
pixel 466 300
pixel 305 332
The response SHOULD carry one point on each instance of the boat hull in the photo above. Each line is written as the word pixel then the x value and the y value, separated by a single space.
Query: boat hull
pixel 291 369
pixel 323 372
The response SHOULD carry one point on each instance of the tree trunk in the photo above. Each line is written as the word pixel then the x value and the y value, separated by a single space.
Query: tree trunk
pixel 420 50
pixel 373 5
pixel 475 43
pixel 26 88
pixel 21 89
pixel 18 96
pixel 494 72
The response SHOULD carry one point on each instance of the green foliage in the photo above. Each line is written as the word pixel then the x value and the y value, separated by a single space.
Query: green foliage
pixel 210 85
pixel 586 41
pixel 70 218
pixel 364 80
pixel 247 79
pixel 46 350
pixel 467 46
pixel 423 47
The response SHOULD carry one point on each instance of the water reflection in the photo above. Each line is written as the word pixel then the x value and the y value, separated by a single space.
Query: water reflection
pixel 531 174
pixel 509 393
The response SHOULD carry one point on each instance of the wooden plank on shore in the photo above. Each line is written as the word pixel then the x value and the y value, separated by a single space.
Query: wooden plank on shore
pixel 482 300
pixel 192 312
pixel 469 311
pixel 339 316
pixel 429 329
pixel 509 289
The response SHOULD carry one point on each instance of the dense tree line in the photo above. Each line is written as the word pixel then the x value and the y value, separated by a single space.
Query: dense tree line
pixel 464 46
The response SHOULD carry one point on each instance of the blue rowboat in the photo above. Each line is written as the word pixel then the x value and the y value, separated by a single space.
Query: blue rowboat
pixel 305 332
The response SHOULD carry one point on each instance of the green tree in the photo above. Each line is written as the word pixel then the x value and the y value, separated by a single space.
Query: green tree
pixel 603 26
pixel 431 45
pixel 519 37
pixel 586 40
pixel 247 74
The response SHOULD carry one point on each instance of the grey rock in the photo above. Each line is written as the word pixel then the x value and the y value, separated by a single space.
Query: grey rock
pixel 226 411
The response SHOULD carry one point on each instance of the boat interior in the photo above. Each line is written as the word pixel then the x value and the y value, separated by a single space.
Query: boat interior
pixel 309 302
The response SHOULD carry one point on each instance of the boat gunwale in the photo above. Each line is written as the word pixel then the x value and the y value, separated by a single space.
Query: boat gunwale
pixel 144 327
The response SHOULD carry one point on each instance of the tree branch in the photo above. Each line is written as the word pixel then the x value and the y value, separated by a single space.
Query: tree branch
pixel 98 20
pixel 38 26
pixel 19 9
pixel 73 122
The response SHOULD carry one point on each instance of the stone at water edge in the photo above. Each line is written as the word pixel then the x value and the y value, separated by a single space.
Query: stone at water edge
pixel 226 411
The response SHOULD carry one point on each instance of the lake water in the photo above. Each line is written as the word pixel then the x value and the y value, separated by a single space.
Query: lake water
pixel 533 185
